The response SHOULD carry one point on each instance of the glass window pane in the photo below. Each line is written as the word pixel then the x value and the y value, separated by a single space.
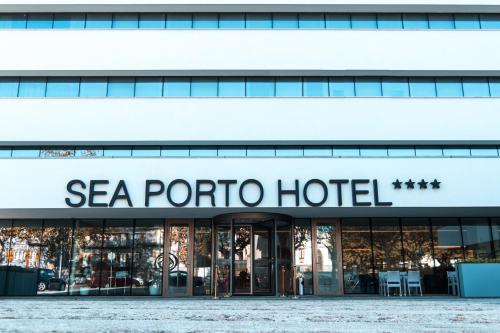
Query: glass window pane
pixel 311 21
pixel 86 263
pixel 368 87
pixel 338 21
pixel 422 87
pixel 57 152
pixel 232 152
pixel 5 152
pixel 289 152
pixel 98 21
pixel 315 86
pixel 342 86
pixel 345 152
pixel 148 253
pixel 13 21
pixel 303 253
pixel 476 87
pixel 456 152
pixel 25 152
pixel 364 21
pixel 55 257
pixel 204 87
pixel 288 86
pixel 441 21
pixel 415 21
pixel 205 21
pixel 261 152
pixel 401 152
pixel 232 86
pixel 417 245
pixel 467 21
pixel 260 86
pixel 121 87
pixel 326 258
pixel 477 238
pixel 69 21
pixel 93 87
pixel 40 21
pixel 484 152
pixel 125 21
pixel 395 87
pixel 495 223
pixel 373 152
pixel 259 21
pixel 9 86
pixel 203 152
pixel 232 21
pixel 152 21
pixel 447 249
pixel 146 151
pixel 89 152
pixel 387 245
pixel 63 87
pixel 175 151
pixel 389 21
pixel 285 21
pixel 32 87
pixel 179 21
pixel 317 151
pixel 490 21
pixel 177 87
pixel 494 87
pixel 449 87
pixel 118 152
pixel 429 152
pixel 149 87
pixel 357 257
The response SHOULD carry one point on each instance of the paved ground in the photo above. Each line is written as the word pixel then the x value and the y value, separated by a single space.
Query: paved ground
pixel 346 314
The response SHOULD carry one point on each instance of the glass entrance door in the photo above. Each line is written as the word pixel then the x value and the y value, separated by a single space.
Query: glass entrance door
pixel 178 264
pixel 242 259
pixel 263 258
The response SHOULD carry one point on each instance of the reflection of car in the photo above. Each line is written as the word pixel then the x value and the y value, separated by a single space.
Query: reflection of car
pixel 179 278
pixel 114 279
pixel 47 280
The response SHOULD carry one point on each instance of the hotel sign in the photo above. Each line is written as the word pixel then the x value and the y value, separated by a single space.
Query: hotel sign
pixel 249 193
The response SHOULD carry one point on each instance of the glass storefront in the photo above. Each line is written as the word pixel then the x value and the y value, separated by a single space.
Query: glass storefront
pixel 237 254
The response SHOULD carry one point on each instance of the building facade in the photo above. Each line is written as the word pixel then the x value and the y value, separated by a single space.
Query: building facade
pixel 240 147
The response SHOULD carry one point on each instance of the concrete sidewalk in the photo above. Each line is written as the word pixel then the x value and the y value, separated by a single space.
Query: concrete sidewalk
pixel 342 314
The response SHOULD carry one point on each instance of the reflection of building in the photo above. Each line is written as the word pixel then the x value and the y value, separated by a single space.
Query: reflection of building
pixel 248 142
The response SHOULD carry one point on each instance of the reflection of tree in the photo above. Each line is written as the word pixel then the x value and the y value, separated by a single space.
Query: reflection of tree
pixel 387 247
pixel 223 243
pixel 417 247
pixel 179 236
pixel 4 242
pixel 356 248
pixel 328 238
pixel 302 236
pixel 242 240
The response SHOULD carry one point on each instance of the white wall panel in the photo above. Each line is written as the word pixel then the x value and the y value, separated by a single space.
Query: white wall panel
pixel 249 52
pixel 252 5
pixel 249 120
pixel 39 185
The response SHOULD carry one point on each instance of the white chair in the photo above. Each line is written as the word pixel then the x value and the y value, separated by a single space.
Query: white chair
pixel 413 281
pixel 393 281
pixel 382 280
pixel 453 283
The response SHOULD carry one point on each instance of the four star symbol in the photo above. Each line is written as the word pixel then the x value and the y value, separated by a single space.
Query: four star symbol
pixel 410 184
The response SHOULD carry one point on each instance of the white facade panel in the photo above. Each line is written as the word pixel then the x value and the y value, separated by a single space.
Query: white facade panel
pixel 248 52
pixel 41 184
pixel 253 5
pixel 249 120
